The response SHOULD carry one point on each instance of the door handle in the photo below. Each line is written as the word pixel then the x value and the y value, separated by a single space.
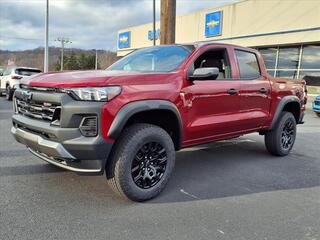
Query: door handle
pixel 263 90
pixel 232 91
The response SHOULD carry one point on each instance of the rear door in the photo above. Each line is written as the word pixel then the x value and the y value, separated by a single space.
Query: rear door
pixel 2 85
pixel 6 78
pixel 255 89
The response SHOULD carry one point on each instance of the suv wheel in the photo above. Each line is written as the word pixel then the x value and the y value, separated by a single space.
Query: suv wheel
pixel 280 140
pixel 9 93
pixel 318 114
pixel 142 162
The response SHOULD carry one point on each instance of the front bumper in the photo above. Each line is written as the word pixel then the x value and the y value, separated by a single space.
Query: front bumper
pixel 64 145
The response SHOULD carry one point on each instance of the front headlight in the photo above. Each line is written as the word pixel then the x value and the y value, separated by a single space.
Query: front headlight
pixel 101 94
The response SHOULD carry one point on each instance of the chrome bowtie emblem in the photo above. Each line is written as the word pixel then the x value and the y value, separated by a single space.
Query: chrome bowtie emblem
pixel 27 96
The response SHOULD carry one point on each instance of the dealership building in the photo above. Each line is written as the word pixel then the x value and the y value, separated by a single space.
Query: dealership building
pixel 286 32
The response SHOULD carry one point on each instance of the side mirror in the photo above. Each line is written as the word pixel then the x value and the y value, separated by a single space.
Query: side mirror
pixel 206 73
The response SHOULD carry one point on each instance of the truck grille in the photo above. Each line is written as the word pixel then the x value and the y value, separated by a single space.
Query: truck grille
pixel 45 111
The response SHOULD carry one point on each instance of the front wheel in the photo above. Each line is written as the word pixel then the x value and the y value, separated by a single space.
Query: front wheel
pixel 142 162
pixel 318 114
pixel 279 141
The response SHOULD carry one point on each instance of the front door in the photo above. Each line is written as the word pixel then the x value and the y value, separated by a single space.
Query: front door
pixel 212 105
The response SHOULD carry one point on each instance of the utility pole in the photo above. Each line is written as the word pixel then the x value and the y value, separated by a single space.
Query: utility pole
pixel 46 45
pixel 154 22
pixel 96 64
pixel 168 21
pixel 63 42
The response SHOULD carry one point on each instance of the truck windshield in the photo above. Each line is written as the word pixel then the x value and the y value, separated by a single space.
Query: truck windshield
pixel 154 59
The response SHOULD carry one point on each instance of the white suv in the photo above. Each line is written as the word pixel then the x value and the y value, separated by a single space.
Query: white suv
pixel 10 79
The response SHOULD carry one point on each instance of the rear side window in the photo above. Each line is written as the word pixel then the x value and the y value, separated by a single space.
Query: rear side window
pixel 248 65
pixel 27 72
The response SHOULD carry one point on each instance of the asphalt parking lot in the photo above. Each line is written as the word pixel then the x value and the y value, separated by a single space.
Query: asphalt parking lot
pixel 227 190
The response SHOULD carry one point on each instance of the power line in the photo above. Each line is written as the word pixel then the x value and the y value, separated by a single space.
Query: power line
pixel 20 38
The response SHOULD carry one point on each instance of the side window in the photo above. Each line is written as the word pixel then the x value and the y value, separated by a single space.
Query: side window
pixel 248 64
pixel 214 58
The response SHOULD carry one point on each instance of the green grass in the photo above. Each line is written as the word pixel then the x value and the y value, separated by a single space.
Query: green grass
pixel 313 90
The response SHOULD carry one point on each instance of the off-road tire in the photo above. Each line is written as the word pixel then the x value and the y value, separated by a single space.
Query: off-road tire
pixel 119 176
pixel 273 138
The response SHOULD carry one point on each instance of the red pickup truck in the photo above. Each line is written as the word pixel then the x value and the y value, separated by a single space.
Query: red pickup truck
pixel 129 120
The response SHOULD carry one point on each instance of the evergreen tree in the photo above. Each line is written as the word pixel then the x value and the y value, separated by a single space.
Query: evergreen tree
pixel 57 65
pixel 82 61
pixel 72 62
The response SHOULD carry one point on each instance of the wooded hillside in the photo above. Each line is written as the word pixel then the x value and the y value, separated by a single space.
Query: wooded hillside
pixel 34 57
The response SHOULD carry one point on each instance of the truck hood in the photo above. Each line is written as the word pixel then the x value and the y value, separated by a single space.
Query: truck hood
pixel 88 78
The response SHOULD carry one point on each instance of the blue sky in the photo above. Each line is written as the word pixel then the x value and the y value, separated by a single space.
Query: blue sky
pixel 90 24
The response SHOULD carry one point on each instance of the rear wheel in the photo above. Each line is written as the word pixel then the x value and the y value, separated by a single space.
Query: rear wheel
pixel 279 141
pixel 9 93
pixel 142 162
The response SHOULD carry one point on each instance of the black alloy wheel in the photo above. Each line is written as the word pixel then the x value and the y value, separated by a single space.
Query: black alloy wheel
pixel 280 140
pixel 141 162
pixel 149 165
pixel 287 134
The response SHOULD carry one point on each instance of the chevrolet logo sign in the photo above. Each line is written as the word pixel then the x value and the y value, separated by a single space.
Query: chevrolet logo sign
pixel 212 23
pixel 123 39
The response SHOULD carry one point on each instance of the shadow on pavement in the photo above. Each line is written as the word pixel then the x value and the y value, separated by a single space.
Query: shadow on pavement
pixel 29 169
pixel 220 170
pixel 14 153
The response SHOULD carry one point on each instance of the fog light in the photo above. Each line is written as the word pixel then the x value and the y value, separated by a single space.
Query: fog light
pixel 89 126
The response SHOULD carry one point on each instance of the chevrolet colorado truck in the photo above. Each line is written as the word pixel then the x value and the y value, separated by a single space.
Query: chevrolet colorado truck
pixel 127 121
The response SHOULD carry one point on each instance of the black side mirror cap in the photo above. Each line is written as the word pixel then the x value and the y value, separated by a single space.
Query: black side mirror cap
pixel 206 73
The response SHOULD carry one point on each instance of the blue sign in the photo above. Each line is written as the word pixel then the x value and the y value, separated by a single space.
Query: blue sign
pixel 124 40
pixel 150 34
pixel 213 23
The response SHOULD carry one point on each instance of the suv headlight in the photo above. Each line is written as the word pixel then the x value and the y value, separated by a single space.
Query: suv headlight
pixel 101 94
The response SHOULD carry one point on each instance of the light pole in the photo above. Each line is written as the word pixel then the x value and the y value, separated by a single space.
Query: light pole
pixel 96 62
pixel 63 42
pixel 46 47
pixel 154 22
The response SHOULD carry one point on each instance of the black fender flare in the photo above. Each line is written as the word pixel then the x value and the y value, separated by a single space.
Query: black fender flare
pixel 283 102
pixel 132 108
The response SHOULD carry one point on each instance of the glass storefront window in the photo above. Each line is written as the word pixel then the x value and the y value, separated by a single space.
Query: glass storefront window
pixel 271 72
pixel 311 57
pixel 269 56
pixel 287 73
pixel 311 77
pixel 288 65
pixel 288 58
